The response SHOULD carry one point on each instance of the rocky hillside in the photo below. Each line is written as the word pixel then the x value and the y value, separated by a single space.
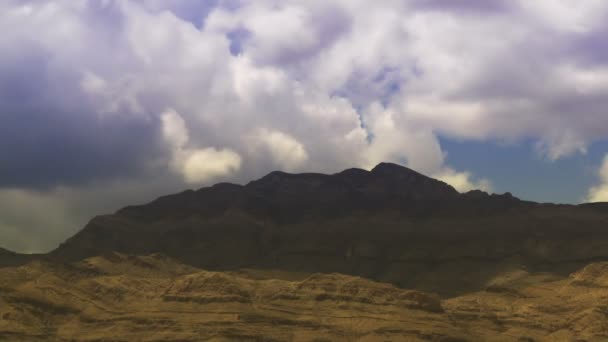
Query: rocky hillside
pixel 390 224
pixel 117 297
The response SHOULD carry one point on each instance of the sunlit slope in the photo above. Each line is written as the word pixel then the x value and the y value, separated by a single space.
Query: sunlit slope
pixel 153 298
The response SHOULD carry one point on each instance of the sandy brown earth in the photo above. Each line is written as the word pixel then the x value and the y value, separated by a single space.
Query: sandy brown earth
pixel 154 298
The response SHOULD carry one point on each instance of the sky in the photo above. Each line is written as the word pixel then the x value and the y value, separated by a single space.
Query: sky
pixel 106 103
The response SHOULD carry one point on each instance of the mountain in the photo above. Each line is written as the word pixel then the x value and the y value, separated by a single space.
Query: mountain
pixel 390 224
pixel 9 258
pixel 381 255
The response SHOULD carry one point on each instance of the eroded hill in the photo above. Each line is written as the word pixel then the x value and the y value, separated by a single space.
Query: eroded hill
pixel 154 298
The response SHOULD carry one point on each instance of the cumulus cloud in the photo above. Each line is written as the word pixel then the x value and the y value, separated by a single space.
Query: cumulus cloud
pixel 284 150
pixel 599 193
pixel 174 129
pixel 463 181
pixel 203 165
pixel 395 140
pixel 84 86
pixel 196 165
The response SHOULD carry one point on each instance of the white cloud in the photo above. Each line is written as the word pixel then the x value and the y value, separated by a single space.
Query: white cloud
pixel 204 165
pixel 599 193
pixel 463 181
pixel 174 129
pixel 395 140
pixel 271 45
pixel 574 16
pixel 286 152
pixel 436 72
pixel 93 84
pixel 196 165
pixel 561 144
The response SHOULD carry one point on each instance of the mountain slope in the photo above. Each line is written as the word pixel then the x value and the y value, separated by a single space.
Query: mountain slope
pixel 5 252
pixel 117 297
pixel 151 298
pixel 391 224
pixel 10 258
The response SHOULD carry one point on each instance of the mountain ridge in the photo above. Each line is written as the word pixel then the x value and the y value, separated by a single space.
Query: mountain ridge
pixel 388 224
pixel 391 178
pixel 5 251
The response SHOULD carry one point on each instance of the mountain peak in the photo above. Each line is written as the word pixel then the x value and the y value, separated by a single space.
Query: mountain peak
pixel 400 179
pixel 280 179
pixel 392 168
pixel 396 171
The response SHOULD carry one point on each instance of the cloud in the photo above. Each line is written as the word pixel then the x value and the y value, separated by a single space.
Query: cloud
pixel 203 165
pixel 84 86
pixel 193 11
pixel 174 129
pixel 599 193
pixel 22 230
pixel 475 6
pixel 33 221
pixel 394 140
pixel 196 165
pixel 463 181
pixel 285 151
pixel 346 103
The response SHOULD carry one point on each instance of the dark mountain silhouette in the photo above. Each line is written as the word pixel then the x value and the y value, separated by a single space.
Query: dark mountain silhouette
pixel 390 224
pixel 10 258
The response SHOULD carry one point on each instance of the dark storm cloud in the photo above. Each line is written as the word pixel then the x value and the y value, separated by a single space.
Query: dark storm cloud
pixel 50 135
pixel 45 146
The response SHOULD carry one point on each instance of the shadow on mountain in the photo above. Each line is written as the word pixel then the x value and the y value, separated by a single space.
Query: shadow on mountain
pixel 390 224
pixel 11 259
